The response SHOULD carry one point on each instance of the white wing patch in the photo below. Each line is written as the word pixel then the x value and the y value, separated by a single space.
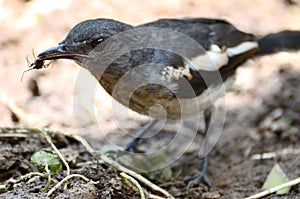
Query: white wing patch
pixel 216 56
pixel 242 48
pixel 212 60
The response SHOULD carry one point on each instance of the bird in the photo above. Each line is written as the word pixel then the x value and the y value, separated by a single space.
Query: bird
pixel 168 68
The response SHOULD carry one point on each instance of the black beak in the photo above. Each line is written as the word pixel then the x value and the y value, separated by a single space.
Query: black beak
pixel 61 51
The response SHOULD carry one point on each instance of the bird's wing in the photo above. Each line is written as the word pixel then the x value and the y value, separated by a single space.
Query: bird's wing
pixel 220 40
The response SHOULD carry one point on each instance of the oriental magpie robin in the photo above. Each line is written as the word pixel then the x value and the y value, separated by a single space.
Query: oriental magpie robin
pixel 184 65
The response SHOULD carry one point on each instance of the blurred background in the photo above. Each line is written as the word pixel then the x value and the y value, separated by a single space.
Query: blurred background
pixel 46 97
pixel 262 116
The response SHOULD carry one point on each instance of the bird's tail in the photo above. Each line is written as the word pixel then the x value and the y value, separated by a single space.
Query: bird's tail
pixel 277 42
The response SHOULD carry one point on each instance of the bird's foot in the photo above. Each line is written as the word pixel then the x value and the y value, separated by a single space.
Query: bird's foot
pixel 197 178
pixel 132 146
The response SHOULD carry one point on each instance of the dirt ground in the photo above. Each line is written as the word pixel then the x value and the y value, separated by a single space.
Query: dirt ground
pixel 262 116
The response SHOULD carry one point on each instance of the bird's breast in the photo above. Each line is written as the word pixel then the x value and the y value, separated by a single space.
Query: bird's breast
pixel 159 98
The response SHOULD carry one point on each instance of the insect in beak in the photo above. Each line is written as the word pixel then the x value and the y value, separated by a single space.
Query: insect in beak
pixel 37 64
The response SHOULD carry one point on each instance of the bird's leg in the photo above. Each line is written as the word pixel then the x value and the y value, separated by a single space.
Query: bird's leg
pixel 131 147
pixel 207 118
pixel 202 175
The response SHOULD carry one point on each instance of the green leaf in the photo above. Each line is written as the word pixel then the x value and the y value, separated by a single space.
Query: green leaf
pixel 150 165
pixel 49 158
pixel 276 177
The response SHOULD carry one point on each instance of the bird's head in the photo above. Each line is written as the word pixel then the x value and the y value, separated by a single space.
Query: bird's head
pixel 83 38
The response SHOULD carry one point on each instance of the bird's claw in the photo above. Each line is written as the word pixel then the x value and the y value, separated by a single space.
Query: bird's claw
pixel 197 178
pixel 132 146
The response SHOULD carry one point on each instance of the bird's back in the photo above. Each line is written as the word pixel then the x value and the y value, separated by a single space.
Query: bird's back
pixel 205 31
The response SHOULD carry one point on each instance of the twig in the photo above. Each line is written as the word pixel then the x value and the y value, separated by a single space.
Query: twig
pixel 26 176
pixel 47 130
pixel 270 155
pixel 2 187
pixel 32 180
pixel 13 135
pixel 152 196
pixel 133 181
pixel 49 177
pixel 70 135
pixel 68 178
pixel 136 175
pixel 57 152
pixel 274 189
pixel 149 195
pixel 82 164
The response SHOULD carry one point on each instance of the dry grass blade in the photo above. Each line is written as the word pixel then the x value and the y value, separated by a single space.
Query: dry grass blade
pixel 274 189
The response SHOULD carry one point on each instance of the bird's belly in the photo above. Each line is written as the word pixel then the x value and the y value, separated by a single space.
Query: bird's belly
pixel 162 104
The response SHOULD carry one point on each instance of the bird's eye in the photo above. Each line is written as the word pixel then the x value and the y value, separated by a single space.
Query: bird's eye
pixel 97 41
